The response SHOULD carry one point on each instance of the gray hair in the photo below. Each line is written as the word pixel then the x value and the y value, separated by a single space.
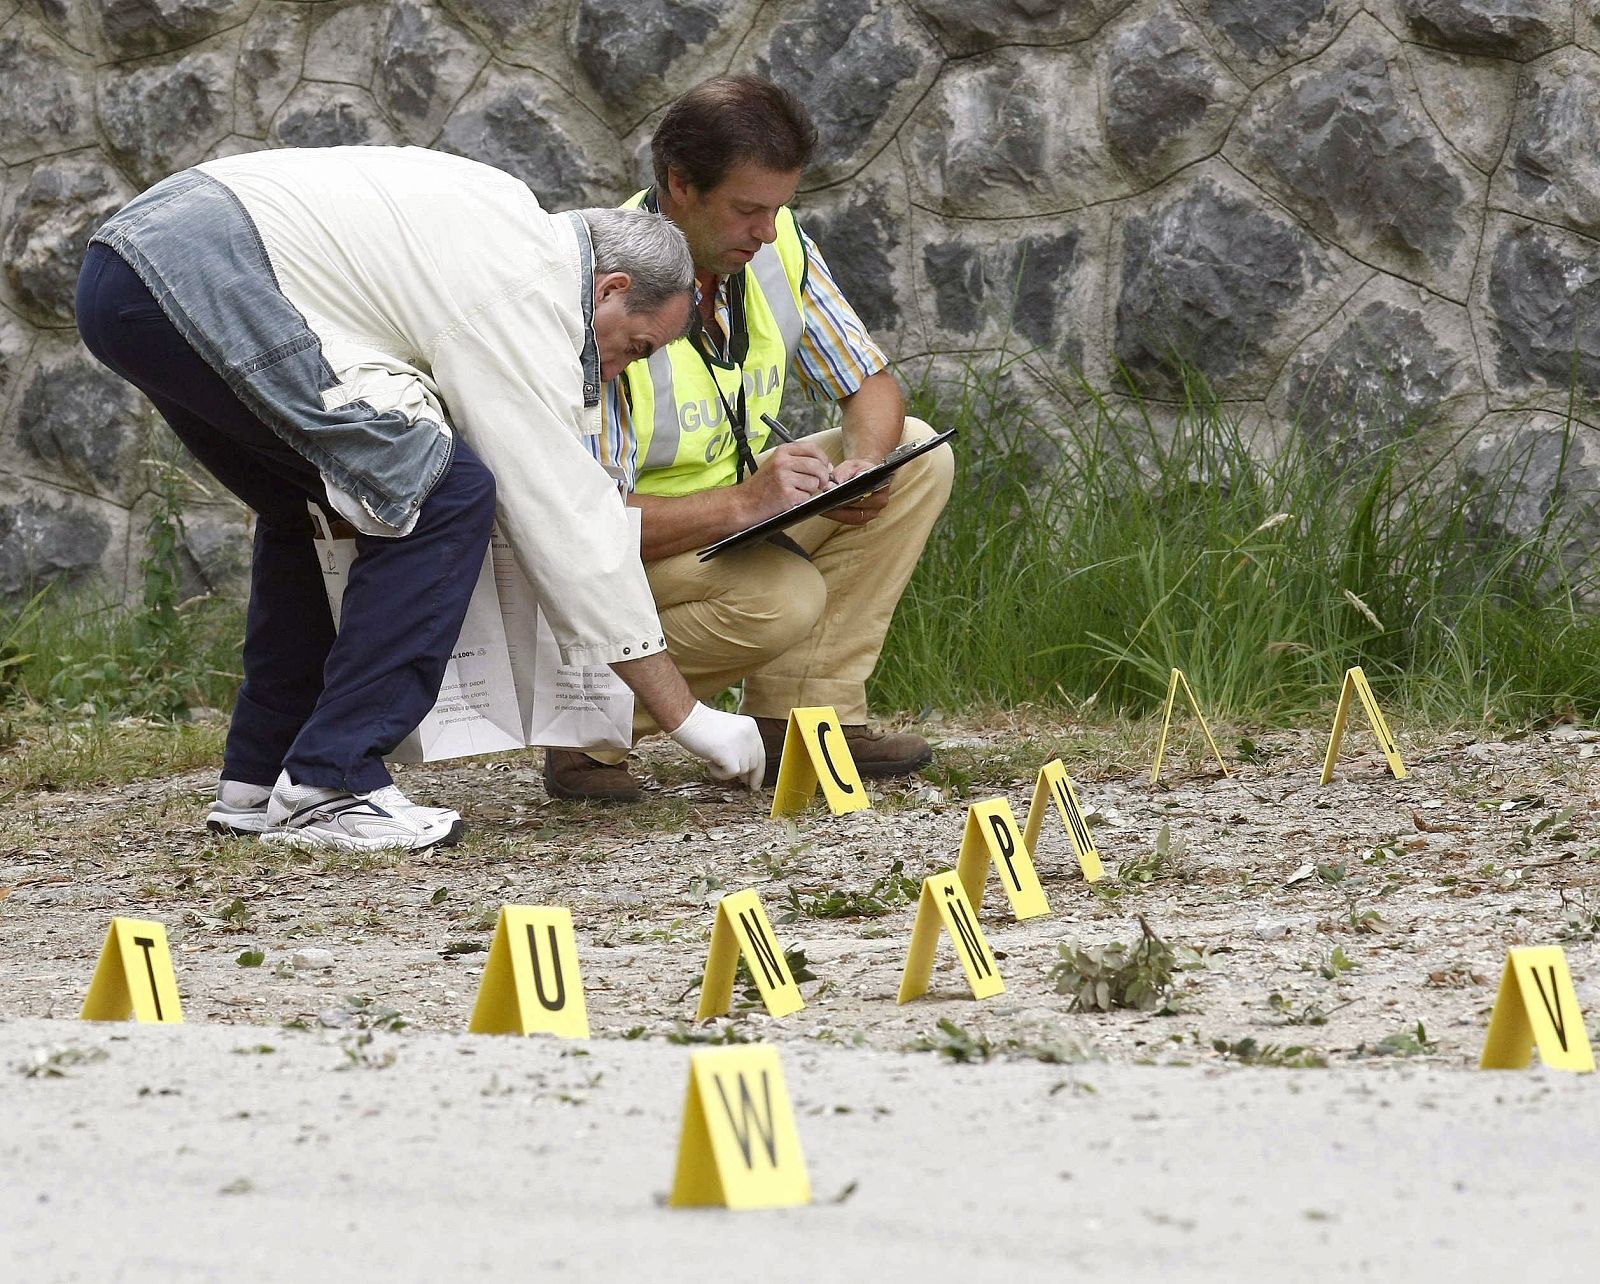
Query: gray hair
pixel 648 247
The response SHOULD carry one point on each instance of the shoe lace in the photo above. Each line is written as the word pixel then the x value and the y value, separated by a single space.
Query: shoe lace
pixel 391 797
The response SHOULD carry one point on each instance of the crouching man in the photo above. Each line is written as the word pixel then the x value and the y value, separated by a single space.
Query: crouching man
pixel 799 620
pixel 410 341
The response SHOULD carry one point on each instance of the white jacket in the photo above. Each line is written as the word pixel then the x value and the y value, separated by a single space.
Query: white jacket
pixel 438 286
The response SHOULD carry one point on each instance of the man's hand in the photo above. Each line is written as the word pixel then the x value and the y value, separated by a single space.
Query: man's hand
pixel 858 512
pixel 728 741
pixel 793 473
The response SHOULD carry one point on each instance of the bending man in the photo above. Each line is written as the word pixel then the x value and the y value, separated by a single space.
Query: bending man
pixel 401 337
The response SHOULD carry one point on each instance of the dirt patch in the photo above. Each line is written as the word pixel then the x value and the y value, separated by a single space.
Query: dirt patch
pixel 1325 923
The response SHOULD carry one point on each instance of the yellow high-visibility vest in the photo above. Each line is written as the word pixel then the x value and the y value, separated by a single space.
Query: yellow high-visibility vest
pixel 684 441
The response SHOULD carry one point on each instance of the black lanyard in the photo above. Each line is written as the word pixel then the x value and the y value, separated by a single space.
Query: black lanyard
pixel 738 350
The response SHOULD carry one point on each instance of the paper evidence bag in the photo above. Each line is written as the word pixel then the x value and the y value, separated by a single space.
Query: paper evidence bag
pixel 845 492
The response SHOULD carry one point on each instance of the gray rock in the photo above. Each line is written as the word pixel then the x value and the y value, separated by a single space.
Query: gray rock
pixel 860 240
pixel 1544 303
pixel 164 116
pixel 343 44
pixel 134 28
pixel 72 20
pixel 78 417
pixel 1020 285
pixel 425 64
pixel 1469 99
pixel 48 103
pixel 1362 165
pixel 1535 472
pixel 1168 99
pixel 64 201
pixel 1268 29
pixel 1519 29
pixel 858 65
pixel 312 959
pixel 1552 171
pixel 528 126
pixel 16 343
pixel 270 54
pixel 1207 279
pixel 978 147
pixel 964 27
pixel 1385 376
pixel 318 115
pixel 519 24
pixel 622 46
pixel 216 550
pixel 42 542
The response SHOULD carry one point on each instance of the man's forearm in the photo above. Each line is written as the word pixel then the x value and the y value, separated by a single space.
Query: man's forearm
pixel 660 688
pixel 874 417
pixel 677 523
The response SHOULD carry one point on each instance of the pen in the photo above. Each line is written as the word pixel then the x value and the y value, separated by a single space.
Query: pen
pixel 784 435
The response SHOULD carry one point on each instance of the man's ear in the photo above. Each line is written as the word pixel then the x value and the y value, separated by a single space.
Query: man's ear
pixel 607 284
pixel 679 188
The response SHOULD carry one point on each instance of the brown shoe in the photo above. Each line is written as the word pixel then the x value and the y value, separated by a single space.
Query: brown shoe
pixel 876 753
pixel 570 774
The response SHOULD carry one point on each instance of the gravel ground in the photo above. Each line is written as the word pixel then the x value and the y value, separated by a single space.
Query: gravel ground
pixel 1354 933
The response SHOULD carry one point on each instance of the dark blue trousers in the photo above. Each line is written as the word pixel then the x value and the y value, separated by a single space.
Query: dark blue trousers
pixel 325 708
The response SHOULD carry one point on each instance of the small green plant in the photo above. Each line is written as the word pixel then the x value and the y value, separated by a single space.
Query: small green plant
pixel 887 894
pixel 1404 1043
pixel 1103 977
pixel 711 1032
pixel 53 1063
pixel 1330 966
pixel 953 1042
pixel 799 968
pixel 1580 917
pixel 1306 1014
pixel 250 958
pixel 1247 1051
pixel 1166 860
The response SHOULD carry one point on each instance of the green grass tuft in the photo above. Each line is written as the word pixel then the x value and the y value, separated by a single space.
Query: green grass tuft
pixel 1087 552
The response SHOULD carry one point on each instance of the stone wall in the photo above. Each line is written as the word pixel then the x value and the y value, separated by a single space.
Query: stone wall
pixel 1359 220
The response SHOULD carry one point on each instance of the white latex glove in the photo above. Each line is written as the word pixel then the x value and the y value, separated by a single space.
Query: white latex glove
pixel 728 741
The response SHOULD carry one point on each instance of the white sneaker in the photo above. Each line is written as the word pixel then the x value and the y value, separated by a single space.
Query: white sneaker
pixel 240 809
pixel 308 816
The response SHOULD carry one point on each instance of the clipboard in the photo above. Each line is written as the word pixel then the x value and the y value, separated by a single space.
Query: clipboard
pixel 834 497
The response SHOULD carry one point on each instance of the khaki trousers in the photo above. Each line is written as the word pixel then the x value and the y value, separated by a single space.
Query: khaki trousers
pixel 800 632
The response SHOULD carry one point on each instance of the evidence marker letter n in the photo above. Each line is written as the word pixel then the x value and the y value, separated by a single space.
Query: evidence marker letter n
pixel 134 976
pixel 991 836
pixel 531 982
pixel 742 929
pixel 739 1148
pixel 1055 786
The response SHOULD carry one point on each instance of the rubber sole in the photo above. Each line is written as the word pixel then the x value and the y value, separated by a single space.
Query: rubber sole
pixel 452 838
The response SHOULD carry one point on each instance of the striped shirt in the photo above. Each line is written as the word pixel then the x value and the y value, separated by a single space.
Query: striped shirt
pixel 835 357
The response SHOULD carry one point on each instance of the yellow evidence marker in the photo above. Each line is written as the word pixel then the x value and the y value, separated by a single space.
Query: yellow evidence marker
pixel 742 928
pixel 1055 784
pixel 531 983
pixel 814 751
pixel 1537 1009
pixel 992 835
pixel 1166 724
pixel 134 976
pixel 944 902
pixel 739 1147
pixel 1355 681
